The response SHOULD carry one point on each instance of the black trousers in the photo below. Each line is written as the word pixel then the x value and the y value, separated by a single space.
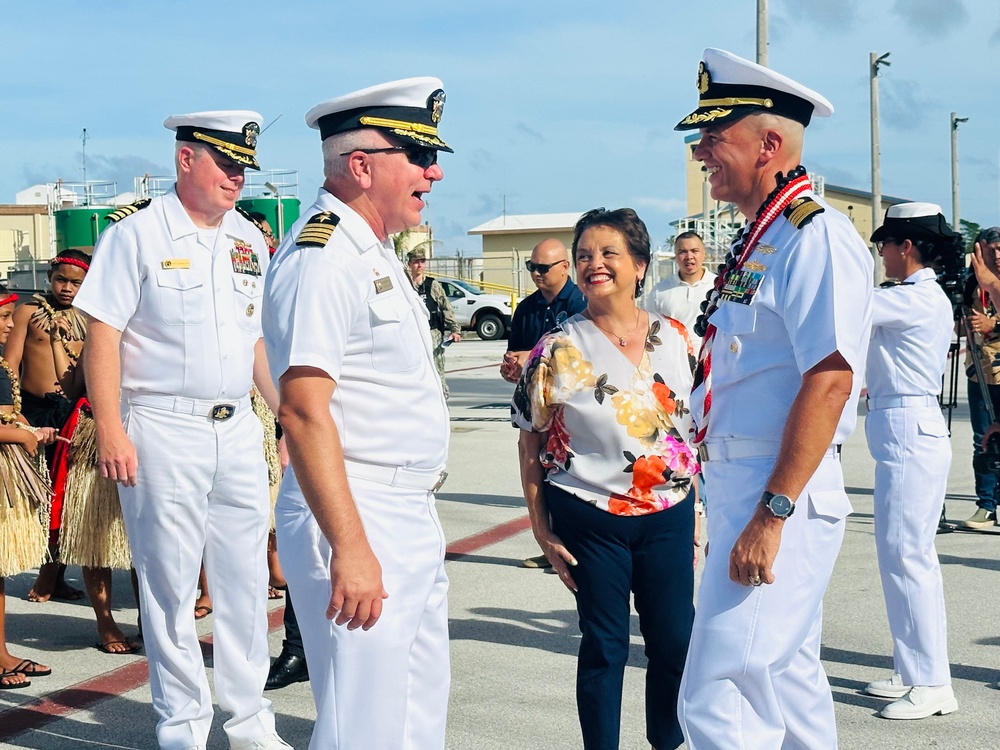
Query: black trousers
pixel 651 557
pixel 293 638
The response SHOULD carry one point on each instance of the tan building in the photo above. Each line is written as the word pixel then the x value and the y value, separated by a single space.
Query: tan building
pixel 24 238
pixel 421 235
pixel 509 239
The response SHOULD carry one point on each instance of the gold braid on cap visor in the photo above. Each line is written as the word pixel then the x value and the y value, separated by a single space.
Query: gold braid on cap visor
pixel 224 144
pixel 382 122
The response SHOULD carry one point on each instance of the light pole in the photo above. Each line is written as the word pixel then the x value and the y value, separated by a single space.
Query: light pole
pixel 762 32
pixel 955 120
pixel 874 61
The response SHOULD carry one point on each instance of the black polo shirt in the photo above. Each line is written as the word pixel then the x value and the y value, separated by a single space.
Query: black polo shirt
pixel 534 317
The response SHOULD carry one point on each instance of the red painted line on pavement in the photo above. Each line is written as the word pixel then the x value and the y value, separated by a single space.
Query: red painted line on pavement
pixel 114 683
pixel 466 369
pixel 89 693
pixel 474 542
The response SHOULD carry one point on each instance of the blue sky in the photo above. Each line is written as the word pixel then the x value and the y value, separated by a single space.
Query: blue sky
pixel 553 106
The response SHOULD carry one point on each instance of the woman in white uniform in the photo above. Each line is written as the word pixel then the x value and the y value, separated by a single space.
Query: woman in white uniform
pixel 907 437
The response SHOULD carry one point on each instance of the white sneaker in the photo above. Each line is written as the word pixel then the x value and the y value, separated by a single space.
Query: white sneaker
pixel 891 688
pixel 270 742
pixel 922 701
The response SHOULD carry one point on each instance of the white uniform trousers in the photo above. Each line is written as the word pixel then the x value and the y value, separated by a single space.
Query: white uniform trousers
pixel 201 491
pixel 912 453
pixel 385 688
pixel 753 677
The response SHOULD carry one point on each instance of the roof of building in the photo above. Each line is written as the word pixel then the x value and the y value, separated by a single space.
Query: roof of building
pixel 863 193
pixel 518 224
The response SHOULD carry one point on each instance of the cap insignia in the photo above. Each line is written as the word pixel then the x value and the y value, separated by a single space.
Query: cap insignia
pixel 128 210
pixel 318 230
pixel 250 132
pixel 435 102
pixel 704 78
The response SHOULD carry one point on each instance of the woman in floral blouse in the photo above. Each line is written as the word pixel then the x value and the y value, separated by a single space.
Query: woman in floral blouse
pixel 607 473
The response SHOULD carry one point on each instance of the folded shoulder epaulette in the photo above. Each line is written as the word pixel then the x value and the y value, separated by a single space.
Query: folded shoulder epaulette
pixel 801 211
pixel 246 215
pixel 131 208
pixel 318 230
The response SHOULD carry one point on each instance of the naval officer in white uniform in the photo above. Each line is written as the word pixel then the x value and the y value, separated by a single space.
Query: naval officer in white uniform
pixel 908 438
pixel 173 299
pixel 367 428
pixel 776 393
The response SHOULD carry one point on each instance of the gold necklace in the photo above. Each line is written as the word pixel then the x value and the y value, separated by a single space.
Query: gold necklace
pixel 15 392
pixel 622 340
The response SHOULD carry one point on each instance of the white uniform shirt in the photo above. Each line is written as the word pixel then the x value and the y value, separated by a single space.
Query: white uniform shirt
pixel 189 313
pixel 911 335
pixel 814 300
pixel 350 310
pixel 680 300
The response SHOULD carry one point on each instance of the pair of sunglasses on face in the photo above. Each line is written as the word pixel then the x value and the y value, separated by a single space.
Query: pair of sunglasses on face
pixel 542 268
pixel 418 156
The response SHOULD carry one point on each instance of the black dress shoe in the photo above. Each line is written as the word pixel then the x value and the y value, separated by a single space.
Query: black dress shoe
pixel 286 669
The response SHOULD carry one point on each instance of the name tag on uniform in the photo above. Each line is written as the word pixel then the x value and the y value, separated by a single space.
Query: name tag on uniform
pixel 244 259
pixel 741 286
pixel 383 284
pixel 175 263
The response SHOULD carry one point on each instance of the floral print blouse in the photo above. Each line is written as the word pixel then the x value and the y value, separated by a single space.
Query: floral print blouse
pixel 618 435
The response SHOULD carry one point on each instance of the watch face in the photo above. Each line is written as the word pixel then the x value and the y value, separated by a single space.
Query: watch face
pixel 780 506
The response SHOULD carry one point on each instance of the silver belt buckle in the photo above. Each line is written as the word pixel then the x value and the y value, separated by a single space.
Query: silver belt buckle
pixel 702 453
pixel 441 480
pixel 222 412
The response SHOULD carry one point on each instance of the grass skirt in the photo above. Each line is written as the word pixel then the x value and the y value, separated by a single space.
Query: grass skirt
pixel 25 497
pixel 93 531
pixel 269 423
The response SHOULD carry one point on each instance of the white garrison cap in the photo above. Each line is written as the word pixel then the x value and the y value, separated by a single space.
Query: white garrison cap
pixel 232 133
pixel 409 109
pixel 912 210
pixel 730 88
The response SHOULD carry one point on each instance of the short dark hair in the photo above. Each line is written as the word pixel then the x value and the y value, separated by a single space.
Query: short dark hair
pixel 988 236
pixel 627 223
pixel 257 216
pixel 689 236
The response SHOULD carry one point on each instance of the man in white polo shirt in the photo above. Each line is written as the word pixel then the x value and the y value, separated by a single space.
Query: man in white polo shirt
pixel 680 296
pixel 173 300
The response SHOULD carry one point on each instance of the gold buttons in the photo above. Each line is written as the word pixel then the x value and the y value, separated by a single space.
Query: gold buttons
pixel 250 309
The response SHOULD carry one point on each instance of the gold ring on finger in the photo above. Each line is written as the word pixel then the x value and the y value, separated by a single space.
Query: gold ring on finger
pixel 755 580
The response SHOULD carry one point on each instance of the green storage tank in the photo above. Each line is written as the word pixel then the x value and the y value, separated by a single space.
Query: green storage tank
pixel 280 216
pixel 78 227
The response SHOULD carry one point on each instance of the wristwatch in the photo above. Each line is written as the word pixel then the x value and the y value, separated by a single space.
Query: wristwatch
pixel 779 505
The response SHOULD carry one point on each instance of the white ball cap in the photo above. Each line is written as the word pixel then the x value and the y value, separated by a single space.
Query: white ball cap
pixel 232 133
pixel 730 88
pixel 410 109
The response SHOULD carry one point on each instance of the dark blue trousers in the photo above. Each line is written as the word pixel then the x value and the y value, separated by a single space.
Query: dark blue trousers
pixel 987 488
pixel 651 557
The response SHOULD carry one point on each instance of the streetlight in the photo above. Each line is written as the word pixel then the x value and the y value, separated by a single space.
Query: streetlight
pixel 955 120
pixel 874 61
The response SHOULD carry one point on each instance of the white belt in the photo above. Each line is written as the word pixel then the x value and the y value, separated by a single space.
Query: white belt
pixel 733 449
pixel 429 480
pixel 895 402
pixel 219 411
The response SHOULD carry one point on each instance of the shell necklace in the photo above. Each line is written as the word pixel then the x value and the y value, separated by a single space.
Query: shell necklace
pixel 15 389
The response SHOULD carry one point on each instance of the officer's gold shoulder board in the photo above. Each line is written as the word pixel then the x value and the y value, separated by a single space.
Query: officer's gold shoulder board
pixel 128 210
pixel 318 230
pixel 801 211
pixel 243 212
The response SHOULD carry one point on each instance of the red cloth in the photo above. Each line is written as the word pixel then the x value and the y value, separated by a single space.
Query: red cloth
pixel 60 465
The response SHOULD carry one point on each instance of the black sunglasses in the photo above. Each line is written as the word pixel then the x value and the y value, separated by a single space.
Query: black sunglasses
pixel 542 268
pixel 418 156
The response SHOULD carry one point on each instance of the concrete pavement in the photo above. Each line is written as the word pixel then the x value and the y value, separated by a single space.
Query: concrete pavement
pixel 514 634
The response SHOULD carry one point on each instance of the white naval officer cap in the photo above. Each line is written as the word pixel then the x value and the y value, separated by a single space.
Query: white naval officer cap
pixel 409 109
pixel 731 88
pixel 232 133
pixel 914 221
